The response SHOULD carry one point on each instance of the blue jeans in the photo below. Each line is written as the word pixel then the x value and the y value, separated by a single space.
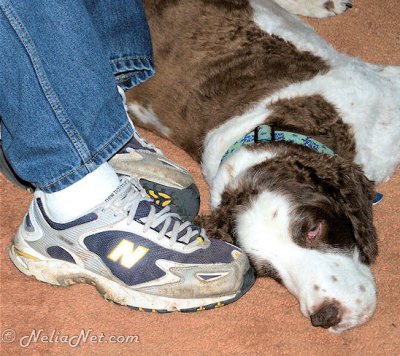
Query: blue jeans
pixel 60 63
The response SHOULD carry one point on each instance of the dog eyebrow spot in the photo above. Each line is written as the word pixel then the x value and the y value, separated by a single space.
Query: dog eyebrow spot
pixel 334 278
pixel 358 301
pixel 275 214
pixel 362 288
pixel 329 5
pixel 316 287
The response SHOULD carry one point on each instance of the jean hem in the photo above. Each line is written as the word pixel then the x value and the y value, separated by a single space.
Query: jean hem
pixel 130 71
pixel 101 156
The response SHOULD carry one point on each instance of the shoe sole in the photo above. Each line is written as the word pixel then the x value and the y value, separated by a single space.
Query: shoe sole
pixel 185 202
pixel 64 274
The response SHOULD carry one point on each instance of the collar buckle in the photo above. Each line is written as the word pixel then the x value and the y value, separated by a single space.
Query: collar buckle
pixel 256 138
pixel 271 130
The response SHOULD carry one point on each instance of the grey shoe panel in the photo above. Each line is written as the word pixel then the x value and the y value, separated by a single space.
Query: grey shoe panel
pixel 224 281
pixel 151 166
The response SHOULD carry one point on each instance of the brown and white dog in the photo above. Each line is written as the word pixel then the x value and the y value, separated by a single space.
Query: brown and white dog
pixel 304 218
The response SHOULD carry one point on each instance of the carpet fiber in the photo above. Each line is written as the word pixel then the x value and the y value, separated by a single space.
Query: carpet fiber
pixel 267 320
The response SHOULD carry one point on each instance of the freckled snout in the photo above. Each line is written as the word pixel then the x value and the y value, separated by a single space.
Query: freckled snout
pixel 326 316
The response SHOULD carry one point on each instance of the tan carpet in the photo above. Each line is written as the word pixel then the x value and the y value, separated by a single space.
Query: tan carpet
pixel 267 320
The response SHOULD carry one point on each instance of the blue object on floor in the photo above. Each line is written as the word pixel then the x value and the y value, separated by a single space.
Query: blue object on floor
pixel 378 198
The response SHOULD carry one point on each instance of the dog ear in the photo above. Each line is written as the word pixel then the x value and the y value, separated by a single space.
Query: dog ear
pixel 220 224
pixel 353 194
pixel 215 226
pixel 357 205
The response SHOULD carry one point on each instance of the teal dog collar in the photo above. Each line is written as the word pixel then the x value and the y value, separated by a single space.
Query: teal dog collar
pixel 266 133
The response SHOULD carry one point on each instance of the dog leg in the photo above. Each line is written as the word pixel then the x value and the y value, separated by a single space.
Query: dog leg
pixel 315 8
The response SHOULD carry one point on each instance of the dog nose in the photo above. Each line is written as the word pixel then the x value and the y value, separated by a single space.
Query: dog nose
pixel 326 317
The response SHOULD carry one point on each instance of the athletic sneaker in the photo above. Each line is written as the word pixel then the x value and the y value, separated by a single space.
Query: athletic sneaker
pixel 134 252
pixel 167 183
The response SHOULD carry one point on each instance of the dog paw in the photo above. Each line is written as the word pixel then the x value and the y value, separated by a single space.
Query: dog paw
pixel 326 8
pixel 316 8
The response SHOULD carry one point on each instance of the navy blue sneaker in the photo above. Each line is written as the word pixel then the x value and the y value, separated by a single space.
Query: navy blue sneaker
pixel 134 252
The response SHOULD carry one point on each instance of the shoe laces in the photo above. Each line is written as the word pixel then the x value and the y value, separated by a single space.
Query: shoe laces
pixel 167 224
pixel 136 135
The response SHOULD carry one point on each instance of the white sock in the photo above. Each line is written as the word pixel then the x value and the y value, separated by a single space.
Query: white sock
pixel 81 197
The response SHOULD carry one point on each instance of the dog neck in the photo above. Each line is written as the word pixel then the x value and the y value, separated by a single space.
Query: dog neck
pixel 241 156
pixel 218 141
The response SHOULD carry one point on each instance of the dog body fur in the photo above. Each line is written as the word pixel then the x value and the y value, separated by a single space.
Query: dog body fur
pixel 304 218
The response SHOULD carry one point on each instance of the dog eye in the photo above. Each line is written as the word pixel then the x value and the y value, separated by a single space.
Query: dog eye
pixel 315 232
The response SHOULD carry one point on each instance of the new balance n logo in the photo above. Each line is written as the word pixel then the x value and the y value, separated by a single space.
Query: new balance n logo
pixel 126 253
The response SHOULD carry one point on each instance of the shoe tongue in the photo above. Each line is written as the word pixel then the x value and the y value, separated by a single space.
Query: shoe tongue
pixel 143 211
pixel 134 144
pixel 122 189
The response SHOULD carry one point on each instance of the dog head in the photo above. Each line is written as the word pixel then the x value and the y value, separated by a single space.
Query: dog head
pixel 305 219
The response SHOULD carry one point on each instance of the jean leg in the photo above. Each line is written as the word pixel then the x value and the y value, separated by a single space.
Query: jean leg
pixel 125 35
pixel 61 112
